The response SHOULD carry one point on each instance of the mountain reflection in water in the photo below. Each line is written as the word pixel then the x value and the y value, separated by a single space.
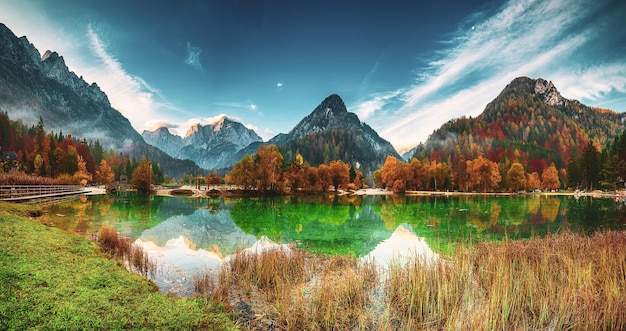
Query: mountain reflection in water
pixel 403 245
pixel 186 236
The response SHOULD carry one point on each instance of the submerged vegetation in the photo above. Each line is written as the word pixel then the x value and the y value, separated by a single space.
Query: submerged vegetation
pixel 55 281
pixel 563 281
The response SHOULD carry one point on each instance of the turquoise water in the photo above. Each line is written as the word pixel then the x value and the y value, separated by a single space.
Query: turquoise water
pixel 188 235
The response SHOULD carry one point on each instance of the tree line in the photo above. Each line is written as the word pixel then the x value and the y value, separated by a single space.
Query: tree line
pixel 267 172
pixel 63 157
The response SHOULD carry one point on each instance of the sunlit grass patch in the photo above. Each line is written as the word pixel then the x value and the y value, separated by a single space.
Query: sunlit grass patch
pixel 52 280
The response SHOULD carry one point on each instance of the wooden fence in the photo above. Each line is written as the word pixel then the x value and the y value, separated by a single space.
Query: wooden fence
pixel 29 192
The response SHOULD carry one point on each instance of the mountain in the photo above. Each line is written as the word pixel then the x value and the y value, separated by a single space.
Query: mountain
pixel 528 122
pixel 211 146
pixel 330 133
pixel 34 86
pixel 162 139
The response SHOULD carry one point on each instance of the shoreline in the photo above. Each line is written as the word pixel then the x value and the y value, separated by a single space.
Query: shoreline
pixel 229 191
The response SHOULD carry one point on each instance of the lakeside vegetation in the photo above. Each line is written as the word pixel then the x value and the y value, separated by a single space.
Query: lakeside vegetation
pixel 560 282
pixel 52 280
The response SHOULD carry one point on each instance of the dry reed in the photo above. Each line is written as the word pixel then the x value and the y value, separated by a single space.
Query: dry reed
pixel 563 281
pixel 116 245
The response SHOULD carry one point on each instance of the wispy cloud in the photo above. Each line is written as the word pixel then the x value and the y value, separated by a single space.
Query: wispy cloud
pixel 156 124
pixel 249 105
pixel 193 57
pixel 128 93
pixel 522 38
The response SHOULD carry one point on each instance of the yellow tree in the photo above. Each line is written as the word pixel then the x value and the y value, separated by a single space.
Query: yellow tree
pixel 82 175
pixel 339 174
pixel 295 174
pixel 550 178
pixel 416 175
pixel 516 177
pixel 104 174
pixel 391 172
pixel 268 162
pixel 437 172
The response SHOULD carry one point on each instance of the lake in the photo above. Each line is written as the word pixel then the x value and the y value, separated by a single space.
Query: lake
pixel 186 236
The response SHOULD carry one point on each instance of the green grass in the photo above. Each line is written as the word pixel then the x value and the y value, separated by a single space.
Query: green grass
pixel 52 280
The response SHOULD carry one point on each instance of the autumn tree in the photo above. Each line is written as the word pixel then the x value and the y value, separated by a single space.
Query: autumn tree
pixel 324 177
pixel 437 173
pixel 416 175
pixel 142 177
pixel 295 174
pixel 516 177
pixel 213 179
pixel 104 174
pixel 268 162
pixel 483 174
pixel 243 173
pixel 550 178
pixel 339 174
pixel 392 171
pixel 533 182
pixel 358 183
pixel 82 175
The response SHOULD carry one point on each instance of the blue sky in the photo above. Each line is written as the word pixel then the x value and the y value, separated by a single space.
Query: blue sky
pixel 404 67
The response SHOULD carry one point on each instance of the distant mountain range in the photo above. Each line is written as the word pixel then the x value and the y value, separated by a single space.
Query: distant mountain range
pixel 528 122
pixel 211 146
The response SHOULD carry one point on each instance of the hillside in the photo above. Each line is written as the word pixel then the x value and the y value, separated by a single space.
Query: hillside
pixel 528 122
pixel 34 86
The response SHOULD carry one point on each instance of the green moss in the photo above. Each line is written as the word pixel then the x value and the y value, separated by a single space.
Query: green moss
pixel 52 280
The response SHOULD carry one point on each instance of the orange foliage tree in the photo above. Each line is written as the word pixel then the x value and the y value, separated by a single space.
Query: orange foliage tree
pixel 550 178
pixel 339 174
pixel 483 174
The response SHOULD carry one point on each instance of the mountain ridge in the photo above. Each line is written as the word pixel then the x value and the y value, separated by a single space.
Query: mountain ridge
pixel 329 133
pixel 528 122
pixel 34 86
pixel 211 146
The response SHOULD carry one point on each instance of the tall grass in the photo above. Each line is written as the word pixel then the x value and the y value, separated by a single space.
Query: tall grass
pixel 561 282
pixel 135 257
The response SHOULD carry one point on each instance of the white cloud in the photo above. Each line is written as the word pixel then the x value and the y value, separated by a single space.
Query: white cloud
pixel 367 108
pixel 193 57
pixel 532 38
pixel 251 106
pixel 156 124
pixel 129 94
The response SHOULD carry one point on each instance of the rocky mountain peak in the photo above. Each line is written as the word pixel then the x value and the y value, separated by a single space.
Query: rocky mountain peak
pixel 329 113
pixel 549 92
pixel 332 105
pixel 32 51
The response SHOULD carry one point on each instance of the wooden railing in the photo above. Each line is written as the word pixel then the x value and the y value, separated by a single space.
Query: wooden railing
pixel 28 192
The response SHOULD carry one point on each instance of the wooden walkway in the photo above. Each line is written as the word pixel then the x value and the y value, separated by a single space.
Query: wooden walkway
pixel 23 193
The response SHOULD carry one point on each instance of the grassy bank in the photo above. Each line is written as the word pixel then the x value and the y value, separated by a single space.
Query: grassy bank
pixel 562 282
pixel 55 281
